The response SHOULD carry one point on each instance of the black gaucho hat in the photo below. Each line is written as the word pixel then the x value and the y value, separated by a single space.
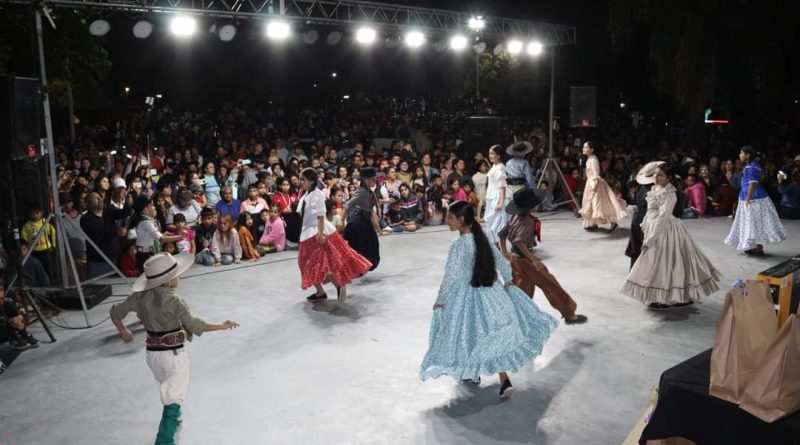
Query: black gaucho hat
pixel 524 201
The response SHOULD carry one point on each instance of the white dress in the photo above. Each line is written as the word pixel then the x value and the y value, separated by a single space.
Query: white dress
pixel 495 221
pixel 671 268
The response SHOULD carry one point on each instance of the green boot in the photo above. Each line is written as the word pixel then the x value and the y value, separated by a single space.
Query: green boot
pixel 169 425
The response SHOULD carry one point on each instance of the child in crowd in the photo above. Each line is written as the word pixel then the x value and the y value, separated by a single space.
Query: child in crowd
pixel 170 248
pixel 412 209
pixel 481 181
pixel 244 225
pixel 437 202
pixel 46 243
pixel 274 237
pixel 333 216
pixel 394 218
pixel 186 244
pixel 472 197
pixel 456 192
pixel 696 197
pixel 127 263
pixel 204 236
pixel 225 245
pixel 546 197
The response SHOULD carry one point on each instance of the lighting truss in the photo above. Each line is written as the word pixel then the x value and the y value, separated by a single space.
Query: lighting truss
pixel 335 13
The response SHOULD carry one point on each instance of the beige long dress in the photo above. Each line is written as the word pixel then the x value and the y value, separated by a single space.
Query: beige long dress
pixel 671 268
pixel 600 205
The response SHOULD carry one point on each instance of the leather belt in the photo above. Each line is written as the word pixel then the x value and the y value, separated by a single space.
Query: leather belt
pixel 516 181
pixel 165 342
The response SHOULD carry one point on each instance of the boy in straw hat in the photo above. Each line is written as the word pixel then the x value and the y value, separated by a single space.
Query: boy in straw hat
pixel 168 322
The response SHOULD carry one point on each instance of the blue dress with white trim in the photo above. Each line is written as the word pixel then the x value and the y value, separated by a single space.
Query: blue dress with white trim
pixel 757 223
pixel 482 330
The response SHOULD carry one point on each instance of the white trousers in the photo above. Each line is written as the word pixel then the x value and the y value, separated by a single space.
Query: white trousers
pixel 171 370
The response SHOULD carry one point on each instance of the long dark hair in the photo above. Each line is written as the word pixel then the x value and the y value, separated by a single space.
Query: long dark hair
pixel 671 171
pixel 752 154
pixel 484 273
pixel 311 176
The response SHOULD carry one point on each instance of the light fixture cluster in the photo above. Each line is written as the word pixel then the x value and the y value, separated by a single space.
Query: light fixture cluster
pixel 184 26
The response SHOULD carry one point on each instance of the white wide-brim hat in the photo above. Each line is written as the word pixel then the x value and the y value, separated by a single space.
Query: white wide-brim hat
pixel 520 148
pixel 647 175
pixel 162 268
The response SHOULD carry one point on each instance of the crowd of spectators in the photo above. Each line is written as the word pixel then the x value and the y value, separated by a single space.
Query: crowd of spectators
pixel 223 183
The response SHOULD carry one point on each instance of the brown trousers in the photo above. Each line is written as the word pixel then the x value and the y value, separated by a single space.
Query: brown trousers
pixel 530 274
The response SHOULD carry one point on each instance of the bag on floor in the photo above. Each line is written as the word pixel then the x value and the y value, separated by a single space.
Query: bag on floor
pixel 745 330
pixel 774 391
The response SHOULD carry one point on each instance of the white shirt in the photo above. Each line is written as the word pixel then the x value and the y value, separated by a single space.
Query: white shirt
pixel 496 181
pixel 147 235
pixel 312 206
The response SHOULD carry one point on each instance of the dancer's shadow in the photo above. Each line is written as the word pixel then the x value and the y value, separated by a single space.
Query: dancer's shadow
pixel 352 310
pixel 677 313
pixel 478 415
pixel 618 233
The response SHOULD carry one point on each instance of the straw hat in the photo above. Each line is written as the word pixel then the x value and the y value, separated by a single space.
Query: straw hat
pixel 647 175
pixel 162 268
pixel 519 149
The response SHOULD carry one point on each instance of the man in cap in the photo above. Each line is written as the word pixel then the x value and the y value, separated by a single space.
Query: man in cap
pixel 528 271
pixel 518 170
pixel 169 323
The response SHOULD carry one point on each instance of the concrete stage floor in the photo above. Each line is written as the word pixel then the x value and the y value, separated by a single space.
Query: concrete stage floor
pixel 348 374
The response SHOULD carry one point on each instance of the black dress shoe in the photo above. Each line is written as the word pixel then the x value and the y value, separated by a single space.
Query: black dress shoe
pixel 579 319
pixel 688 303
pixel 506 390
pixel 591 228
pixel 613 227
pixel 314 298
pixel 658 307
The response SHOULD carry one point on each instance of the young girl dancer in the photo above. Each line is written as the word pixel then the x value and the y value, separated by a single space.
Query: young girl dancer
pixel 756 220
pixel 496 195
pixel 481 325
pixel 671 270
pixel 324 255
pixel 600 204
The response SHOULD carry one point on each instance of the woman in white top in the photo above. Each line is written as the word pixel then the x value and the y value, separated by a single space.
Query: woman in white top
pixel 324 256
pixel 496 195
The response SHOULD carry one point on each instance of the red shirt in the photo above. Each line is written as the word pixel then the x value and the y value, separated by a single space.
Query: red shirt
pixel 284 201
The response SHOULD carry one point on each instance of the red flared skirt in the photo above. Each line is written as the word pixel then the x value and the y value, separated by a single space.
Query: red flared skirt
pixel 335 262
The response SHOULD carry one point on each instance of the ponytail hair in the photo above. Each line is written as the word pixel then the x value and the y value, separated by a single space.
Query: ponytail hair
pixel 484 273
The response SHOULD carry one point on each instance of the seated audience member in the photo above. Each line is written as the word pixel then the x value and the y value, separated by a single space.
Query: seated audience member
pixel 203 238
pixel 244 225
pixel 187 206
pixel 545 197
pixel 127 263
pixel 228 205
pixel 725 199
pixel 696 198
pixel 186 243
pixel 790 195
pixel 394 218
pixel 34 273
pixel 15 323
pixel 225 245
pixel 274 237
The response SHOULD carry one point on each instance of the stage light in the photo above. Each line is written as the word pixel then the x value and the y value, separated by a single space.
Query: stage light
pixel 415 39
pixel 278 30
pixel 159 96
pixel 227 33
pixel 346 96
pixel 333 74
pixel 310 37
pixel 99 28
pixel 515 47
pixel 622 104
pixel 480 48
pixel 142 29
pixel 498 49
pixel 183 26
pixel 334 38
pixel 476 23
pixel 535 48
pixel 127 90
pixel 458 43
pixel 365 36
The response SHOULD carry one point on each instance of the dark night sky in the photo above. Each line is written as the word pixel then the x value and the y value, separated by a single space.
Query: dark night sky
pixel 250 68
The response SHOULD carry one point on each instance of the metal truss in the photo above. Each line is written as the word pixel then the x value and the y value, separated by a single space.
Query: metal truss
pixel 336 13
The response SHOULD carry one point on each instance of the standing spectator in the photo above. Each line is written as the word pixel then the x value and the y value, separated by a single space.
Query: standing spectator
pixel 47 241
pixel 481 181
pixel 211 186
pixel 99 226
pixel 148 232
pixel 225 245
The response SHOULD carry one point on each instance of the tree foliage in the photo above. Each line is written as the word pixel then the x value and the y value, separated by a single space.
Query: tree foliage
pixel 708 51
pixel 71 53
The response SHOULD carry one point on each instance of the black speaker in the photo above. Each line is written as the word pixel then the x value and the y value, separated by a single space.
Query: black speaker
pixel 20 118
pixel 481 133
pixel 583 106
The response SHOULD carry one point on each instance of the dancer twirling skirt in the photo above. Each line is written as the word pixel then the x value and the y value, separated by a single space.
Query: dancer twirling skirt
pixel 362 227
pixel 168 322
pixel 671 269
pixel 496 195
pixel 600 204
pixel 324 255
pixel 756 221
pixel 480 325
